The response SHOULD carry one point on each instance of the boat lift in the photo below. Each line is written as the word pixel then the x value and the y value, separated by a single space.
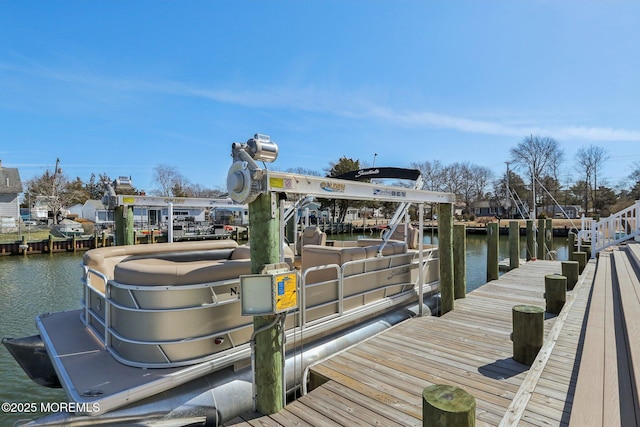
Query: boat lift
pixel 246 180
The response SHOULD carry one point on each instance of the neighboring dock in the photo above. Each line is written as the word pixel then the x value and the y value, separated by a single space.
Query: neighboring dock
pixel 380 381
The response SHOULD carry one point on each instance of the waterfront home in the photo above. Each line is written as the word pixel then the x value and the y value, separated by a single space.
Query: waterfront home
pixel 10 188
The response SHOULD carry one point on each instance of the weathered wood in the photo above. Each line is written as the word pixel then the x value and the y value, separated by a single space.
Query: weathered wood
pixel 548 238
pixel 123 216
pixel 445 255
pixel 570 270
pixel 492 251
pixel 540 240
pixel 459 261
pixel 446 405
pixel 581 257
pixel 571 245
pixel 514 244
pixel 555 292
pixel 268 343
pixel 528 333
pixel 531 247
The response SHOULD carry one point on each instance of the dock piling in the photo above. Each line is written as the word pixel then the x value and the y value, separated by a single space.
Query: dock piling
pixel 445 255
pixel 528 332
pixel 264 247
pixel 555 292
pixel 492 251
pixel 571 245
pixel 460 261
pixel 540 239
pixel 548 238
pixel 570 270
pixel 581 257
pixel 531 249
pixel 447 405
pixel 514 244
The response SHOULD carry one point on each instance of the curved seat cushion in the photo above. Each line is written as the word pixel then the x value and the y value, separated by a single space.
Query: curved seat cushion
pixel 105 259
pixel 163 272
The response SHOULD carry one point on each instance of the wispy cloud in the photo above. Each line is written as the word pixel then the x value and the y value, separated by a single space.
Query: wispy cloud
pixel 316 99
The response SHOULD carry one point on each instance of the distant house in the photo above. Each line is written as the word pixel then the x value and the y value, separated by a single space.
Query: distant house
pixel 94 210
pixel 10 188
pixel 75 210
pixel 482 208
pixel 555 211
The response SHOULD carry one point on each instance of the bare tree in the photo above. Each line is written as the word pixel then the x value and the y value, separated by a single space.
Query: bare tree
pixel 537 156
pixel 588 161
pixel 433 174
pixel 169 179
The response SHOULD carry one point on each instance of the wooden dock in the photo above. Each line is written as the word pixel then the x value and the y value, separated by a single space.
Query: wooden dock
pixel 380 381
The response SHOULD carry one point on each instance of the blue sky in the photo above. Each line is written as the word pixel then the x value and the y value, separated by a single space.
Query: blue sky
pixel 122 87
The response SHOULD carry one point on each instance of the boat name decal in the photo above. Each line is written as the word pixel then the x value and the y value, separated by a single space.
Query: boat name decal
pixel 367 172
pixel 389 193
pixel 398 271
pixel 178 200
pixel 332 187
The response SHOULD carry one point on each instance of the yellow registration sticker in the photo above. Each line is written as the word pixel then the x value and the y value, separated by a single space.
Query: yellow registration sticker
pixel 286 291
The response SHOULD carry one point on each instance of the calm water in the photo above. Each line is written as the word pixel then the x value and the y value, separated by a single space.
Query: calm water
pixel 28 287
pixel 48 283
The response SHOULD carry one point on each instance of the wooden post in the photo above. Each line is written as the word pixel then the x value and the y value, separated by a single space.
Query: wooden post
pixel 24 246
pixel 531 250
pixel 264 249
pixel 514 244
pixel 571 270
pixel 445 255
pixel 447 405
pixel 50 243
pixel 555 292
pixel 571 245
pixel 581 257
pixel 74 242
pixel 459 261
pixel 528 333
pixel 493 234
pixel 548 238
pixel 124 225
pixel 540 239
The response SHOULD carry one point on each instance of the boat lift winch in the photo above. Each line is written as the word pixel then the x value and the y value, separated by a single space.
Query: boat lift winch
pixel 246 180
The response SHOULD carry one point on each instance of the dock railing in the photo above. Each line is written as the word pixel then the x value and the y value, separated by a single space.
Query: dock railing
pixel 612 230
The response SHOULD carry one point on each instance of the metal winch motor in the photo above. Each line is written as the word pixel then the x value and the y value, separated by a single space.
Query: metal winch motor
pixel 245 179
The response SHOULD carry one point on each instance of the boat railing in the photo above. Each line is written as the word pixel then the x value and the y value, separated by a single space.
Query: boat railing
pixel 117 313
pixel 343 277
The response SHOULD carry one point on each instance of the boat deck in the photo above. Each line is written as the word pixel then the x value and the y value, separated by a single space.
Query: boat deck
pixel 77 354
pixel 380 381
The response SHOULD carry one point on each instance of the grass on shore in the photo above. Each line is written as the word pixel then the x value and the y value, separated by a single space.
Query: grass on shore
pixel 35 234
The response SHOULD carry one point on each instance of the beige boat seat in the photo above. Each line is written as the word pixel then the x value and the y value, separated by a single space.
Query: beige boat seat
pixel 186 268
pixel 316 255
pixel 105 259
pixel 310 236
pixel 412 240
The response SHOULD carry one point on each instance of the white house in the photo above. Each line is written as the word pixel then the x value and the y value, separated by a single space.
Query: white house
pixel 10 188
pixel 95 210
